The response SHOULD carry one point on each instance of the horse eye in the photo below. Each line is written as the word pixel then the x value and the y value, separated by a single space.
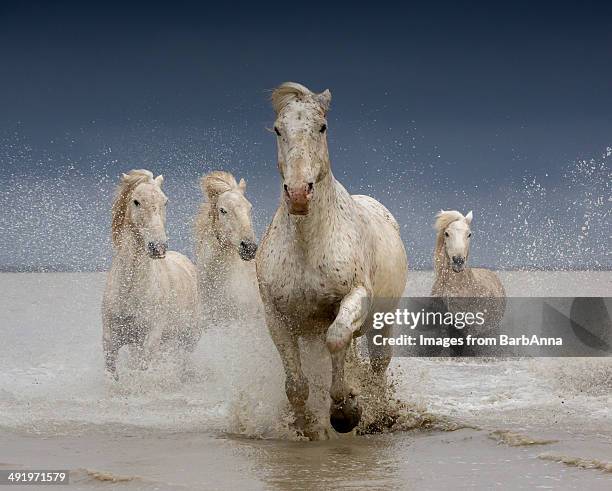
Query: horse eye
pixel 222 211
pixel 276 131
pixel 323 128
pixel 470 234
pixel 446 234
pixel 136 202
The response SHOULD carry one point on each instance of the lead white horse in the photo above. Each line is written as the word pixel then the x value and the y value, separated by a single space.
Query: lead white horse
pixel 225 247
pixel 150 294
pixel 461 287
pixel 326 259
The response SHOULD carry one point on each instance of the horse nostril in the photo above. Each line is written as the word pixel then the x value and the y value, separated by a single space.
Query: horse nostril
pixel 247 250
pixel 310 187
pixel 286 188
pixel 151 246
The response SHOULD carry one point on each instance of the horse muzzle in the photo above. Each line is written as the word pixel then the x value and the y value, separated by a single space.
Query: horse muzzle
pixel 458 264
pixel 157 250
pixel 298 198
pixel 247 250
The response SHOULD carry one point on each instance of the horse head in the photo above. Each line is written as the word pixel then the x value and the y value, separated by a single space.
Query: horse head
pixel 230 213
pixel 140 208
pixel 301 130
pixel 455 233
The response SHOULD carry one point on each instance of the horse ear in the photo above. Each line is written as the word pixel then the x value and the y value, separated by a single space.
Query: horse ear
pixel 242 185
pixel 159 180
pixel 324 98
pixel 124 176
pixel 468 217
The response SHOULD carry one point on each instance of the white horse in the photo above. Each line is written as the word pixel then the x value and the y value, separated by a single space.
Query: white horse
pixel 224 246
pixel 150 293
pixel 454 280
pixel 327 257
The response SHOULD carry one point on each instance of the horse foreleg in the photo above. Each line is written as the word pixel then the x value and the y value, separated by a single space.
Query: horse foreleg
pixel 345 411
pixel 152 342
pixel 110 345
pixel 380 356
pixel 296 383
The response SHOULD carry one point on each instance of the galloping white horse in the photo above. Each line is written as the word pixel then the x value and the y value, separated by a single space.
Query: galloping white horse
pixel 150 292
pixel 225 245
pixel 455 282
pixel 327 257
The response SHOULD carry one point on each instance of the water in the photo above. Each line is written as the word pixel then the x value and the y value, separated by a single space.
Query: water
pixel 518 423
pixel 58 220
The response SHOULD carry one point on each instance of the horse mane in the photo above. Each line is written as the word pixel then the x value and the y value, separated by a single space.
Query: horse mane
pixel 216 183
pixel 443 220
pixel 202 225
pixel 128 183
pixel 288 92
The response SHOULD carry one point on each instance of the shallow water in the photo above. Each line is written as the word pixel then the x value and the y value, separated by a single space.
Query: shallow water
pixel 525 423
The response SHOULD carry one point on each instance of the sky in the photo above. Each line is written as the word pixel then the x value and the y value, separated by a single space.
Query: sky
pixel 503 108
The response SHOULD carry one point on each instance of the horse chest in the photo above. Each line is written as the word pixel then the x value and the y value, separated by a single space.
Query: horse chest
pixel 139 294
pixel 309 286
pixel 310 272
pixel 461 285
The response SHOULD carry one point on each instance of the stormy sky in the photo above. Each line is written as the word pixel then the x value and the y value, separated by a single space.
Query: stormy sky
pixel 503 108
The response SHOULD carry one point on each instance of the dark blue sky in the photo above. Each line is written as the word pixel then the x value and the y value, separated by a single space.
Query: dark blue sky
pixel 436 105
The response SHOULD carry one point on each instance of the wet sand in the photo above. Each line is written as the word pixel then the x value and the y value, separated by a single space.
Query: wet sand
pixel 133 459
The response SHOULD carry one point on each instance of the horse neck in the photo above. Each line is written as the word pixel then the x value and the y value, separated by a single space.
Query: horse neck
pixel 441 264
pixel 129 260
pixel 328 201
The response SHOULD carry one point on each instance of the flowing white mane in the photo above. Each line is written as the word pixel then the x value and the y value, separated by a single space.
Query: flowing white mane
pixel 128 183
pixel 288 92
pixel 445 218
pixel 217 183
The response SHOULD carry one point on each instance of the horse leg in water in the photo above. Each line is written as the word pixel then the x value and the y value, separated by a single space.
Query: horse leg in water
pixel 112 342
pixel 345 411
pixel 296 383
pixel 380 356
pixel 152 342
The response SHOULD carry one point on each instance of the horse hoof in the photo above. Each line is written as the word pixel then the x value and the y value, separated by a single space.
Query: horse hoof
pixel 345 415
